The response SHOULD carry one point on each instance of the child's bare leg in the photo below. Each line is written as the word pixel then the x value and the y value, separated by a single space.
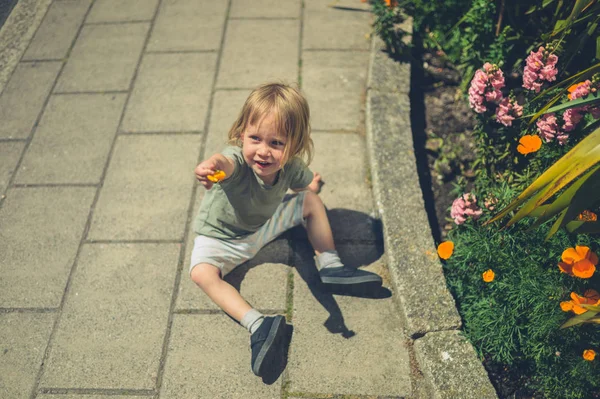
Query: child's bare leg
pixel 208 277
pixel 317 224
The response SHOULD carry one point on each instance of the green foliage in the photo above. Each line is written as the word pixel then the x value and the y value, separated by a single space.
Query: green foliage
pixel 387 26
pixel 514 319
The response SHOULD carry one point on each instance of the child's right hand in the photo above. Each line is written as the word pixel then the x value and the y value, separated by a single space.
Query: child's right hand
pixel 205 169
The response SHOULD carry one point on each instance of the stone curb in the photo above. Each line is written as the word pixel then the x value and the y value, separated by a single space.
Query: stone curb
pixel 448 362
pixel 17 32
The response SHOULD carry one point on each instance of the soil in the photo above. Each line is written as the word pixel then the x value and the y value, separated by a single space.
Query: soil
pixel 443 133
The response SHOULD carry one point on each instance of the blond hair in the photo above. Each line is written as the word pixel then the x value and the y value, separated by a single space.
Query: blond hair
pixel 292 117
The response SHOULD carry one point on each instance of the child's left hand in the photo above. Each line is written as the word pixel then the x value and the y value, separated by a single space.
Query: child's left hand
pixel 315 184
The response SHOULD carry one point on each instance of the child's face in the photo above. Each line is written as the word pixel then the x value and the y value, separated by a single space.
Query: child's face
pixel 262 147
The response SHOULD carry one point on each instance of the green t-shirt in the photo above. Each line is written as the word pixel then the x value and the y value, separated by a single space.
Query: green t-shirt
pixel 239 205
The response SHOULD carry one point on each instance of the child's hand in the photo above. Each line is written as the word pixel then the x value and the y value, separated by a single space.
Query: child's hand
pixel 315 184
pixel 204 173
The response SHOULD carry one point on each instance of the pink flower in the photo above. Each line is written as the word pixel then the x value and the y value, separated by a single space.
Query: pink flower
pixel 548 129
pixel 572 117
pixel 486 87
pixel 463 207
pixel 539 67
pixel 507 111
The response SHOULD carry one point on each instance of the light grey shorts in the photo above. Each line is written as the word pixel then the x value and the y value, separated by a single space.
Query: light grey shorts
pixel 227 254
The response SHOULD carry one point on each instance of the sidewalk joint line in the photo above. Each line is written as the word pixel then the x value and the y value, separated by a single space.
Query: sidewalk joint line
pixel 208 51
pixel 137 21
pixel 38 185
pixel 263 19
pixel 188 132
pixel 92 241
pixel 74 93
pixel 11 139
pixel 98 391
pixel 341 50
pixel 38 61
pixel 29 310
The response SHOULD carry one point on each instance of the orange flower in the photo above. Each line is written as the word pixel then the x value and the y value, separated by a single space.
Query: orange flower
pixel 488 276
pixel 589 354
pixel 590 297
pixel 587 216
pixel 217 176
pixel 391 3
pixel 573 88
pixel 529 143
pixel 445 249
pixel 579 261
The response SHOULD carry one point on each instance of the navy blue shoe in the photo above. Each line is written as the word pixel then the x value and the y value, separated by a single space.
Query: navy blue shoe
pixel 343 278
pixel 267 343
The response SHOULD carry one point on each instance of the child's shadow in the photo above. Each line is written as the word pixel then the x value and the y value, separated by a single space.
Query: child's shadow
pixel 359 241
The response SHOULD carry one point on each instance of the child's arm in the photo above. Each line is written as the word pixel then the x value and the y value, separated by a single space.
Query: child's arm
pixel 210 166
pixel 314 185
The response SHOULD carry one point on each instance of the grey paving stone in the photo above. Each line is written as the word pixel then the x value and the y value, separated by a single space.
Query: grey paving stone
pixel 226 107
pixel 23 97
pixel 122 10
pixel 334 83
pixel 57 31
pixel 10 153
pixel 104 58
pixel 50 220
pixel 346 345
pixel 344 173
pixel 326 27
pixel 268 48
pixel 209 357
pixel 171 93
pixel 114 319
pixel 452 368
pixel 147 188
pixel 184 25
pixel 73 139
pixel 265 9
pixel 262 281
pixel 23 339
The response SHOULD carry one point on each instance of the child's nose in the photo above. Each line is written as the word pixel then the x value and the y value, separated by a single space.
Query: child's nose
pixel 263 149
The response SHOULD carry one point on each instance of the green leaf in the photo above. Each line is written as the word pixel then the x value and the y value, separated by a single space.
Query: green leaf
pixel 559 26
pixel 581 318
pixel 598 47
pixel 591 308
pixel 592 98
pixel 589 228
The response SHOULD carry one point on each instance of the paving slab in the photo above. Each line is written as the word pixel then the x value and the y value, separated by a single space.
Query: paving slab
pixel 208 358
pixel 72 140
pixel 262 282
pixel 171 93
pixel 265 9
pixel 80 396
pixel 346 345
pixel 226 107
pixel 268 48
pixel 55 35
pixel 114 318
pixel 104 58
pixel 10 153
pixel 122 11
pixel 326 27
pixel 23 97
pixel 334 83
pixel 51 220
pixel 345 175
pixel 147 188
pixel 23 340
pixel 188 25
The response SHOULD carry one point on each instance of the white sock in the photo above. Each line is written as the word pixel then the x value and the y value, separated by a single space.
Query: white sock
pixel 252 320
pixel 329 259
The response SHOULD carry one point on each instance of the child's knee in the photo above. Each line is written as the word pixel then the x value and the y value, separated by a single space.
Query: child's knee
pixel 203 274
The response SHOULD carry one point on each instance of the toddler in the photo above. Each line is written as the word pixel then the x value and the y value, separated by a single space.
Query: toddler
pixel 246 207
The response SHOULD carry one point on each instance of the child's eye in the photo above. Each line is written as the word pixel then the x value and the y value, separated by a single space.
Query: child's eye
pixel 278 143
pixel 255 138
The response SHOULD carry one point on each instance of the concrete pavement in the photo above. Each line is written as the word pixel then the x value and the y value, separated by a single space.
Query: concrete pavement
pixel 108 108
